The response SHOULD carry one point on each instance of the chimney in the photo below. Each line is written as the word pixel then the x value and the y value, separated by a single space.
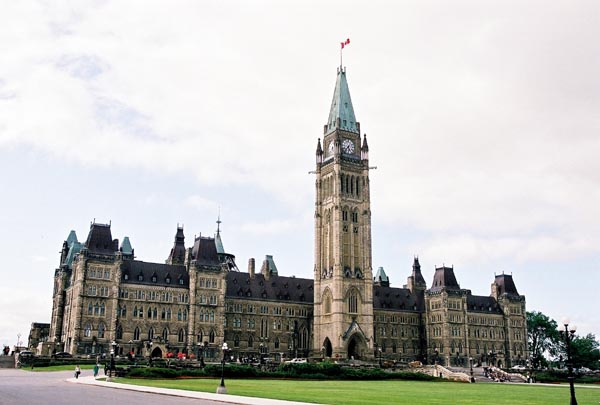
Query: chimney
pixel 251 266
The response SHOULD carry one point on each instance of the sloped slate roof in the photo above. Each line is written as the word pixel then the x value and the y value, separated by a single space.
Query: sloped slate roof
pixel 100 240
pixel 396 299
pixel 134 268
pixel 444 278
pixel 478 303
pixel 204 251
pixel 506 284
pixel 277 288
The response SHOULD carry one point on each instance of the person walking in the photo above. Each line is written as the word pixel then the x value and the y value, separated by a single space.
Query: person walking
pixel 96 369
pixel 77 371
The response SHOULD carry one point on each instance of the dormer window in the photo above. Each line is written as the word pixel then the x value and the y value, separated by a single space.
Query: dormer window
pixel 154 279
pixel 140 277
pixel 126 277
pixel 168 280
pixel 180 281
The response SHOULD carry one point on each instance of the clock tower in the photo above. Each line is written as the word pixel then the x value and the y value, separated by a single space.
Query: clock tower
pixel 343 295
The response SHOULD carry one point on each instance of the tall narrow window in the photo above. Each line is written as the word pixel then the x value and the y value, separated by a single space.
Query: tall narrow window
pixel 180 336
pixel 136 334
pixel 101 330
pixel 353 302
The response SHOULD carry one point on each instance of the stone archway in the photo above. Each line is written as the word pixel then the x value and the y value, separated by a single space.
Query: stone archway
pixel 156 353
pixel 328 347
pixel 356 346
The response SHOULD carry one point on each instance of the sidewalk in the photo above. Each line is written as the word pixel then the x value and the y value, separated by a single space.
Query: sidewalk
pixel 225 398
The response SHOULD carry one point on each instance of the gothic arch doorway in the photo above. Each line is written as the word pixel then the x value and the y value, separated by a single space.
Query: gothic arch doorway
pixel 355 347
pixel 328 349
pixel 157 352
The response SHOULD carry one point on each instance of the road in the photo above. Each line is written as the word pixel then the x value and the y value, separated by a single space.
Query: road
pixel 44 388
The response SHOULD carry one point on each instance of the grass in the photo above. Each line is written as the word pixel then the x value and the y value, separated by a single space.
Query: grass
pixel 383 392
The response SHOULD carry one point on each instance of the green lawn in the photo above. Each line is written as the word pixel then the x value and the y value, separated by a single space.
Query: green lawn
pixel 62 367
pixel 384 392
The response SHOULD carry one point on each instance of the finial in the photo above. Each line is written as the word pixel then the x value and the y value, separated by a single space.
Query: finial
pixel 219 222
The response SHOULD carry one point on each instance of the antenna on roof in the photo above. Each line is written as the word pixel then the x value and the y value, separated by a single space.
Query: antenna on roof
pixel 219 221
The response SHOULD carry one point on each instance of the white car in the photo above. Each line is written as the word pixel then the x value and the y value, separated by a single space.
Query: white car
pixel 518 367
pixel 299 360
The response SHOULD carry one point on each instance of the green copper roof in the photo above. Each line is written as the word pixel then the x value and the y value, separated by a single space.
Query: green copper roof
pixel 74 248
pixel 219 243
pixel 272 267
pixel 341 107
pixel 380 275
pixel 126 246
pixel 71 238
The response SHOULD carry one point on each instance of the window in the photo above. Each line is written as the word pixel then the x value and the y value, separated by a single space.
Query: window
pixel 168 280
pixel 181 281
pixel 236 341
pixel 353 302
pixel 276 343
pixel 101 329
pixel 180 336
pixel 88 330
pixel 150 333
pixel 211 337
pixel 90 309
pixel 140 277
pixel 125 276
pixel 154 279
pixel 250 341
pixel 136 334
pixel 119 332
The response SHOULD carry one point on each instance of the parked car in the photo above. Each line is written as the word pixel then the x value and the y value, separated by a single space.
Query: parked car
pixel 62 355
pixel 26 355
pixel 518 367
pixel 298 360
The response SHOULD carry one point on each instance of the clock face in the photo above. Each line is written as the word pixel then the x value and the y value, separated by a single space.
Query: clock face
pixel 330 148
pixel 348 146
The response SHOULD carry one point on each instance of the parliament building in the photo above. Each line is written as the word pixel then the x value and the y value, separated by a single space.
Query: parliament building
pixel 198 298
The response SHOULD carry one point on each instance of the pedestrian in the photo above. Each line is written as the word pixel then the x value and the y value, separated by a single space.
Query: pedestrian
pixel 96 369
pixel 77 371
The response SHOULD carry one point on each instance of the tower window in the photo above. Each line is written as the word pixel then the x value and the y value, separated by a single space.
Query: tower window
pixel 353 302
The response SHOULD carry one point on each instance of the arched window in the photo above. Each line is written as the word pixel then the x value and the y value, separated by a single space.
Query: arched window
pixel 250 341
pixel 119 332
pixel 150 333
pixel 90 309
pixel 136 334
pixel 353 302
pixel 276 343
pixel 200 336
pixel 211 337
pixel 149 313
pixel 180 336
pixel 236 341
pixel 87 332
pixel 185 314
pixel 165 334
pixel 101 329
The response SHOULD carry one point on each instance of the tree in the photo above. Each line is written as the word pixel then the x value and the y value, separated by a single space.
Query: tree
pixel 542 337
pixel 585 352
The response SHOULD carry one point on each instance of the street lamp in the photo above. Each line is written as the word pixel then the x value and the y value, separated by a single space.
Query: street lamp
pixel 221 388
pixel 568 334
pixel 471 363
pixel 111 371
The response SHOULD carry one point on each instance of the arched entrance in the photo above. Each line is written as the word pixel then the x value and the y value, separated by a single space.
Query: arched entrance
pixel 328 348
pixel 355 347
pixel 156 353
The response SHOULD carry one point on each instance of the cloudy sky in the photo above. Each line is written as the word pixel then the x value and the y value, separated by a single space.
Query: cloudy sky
pixel 483 119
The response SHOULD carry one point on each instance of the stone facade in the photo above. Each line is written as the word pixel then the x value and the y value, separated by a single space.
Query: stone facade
pixel 199 299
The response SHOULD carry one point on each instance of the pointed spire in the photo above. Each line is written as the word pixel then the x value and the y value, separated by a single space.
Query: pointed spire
pixel 341 113
pixel 71 238
pixel 364 150
pixel 218 241
pixel 177 255
pixel 417 275
pixel 319 152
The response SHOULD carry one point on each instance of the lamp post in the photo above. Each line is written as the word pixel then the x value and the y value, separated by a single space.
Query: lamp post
pixel 471 363
pixel 111 371
pixel 568 334
pixel 221 388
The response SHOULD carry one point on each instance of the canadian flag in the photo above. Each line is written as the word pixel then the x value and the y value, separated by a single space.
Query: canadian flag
pixel 344 43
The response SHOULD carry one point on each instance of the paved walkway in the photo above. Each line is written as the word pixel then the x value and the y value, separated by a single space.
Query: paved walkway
pixel 225 398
